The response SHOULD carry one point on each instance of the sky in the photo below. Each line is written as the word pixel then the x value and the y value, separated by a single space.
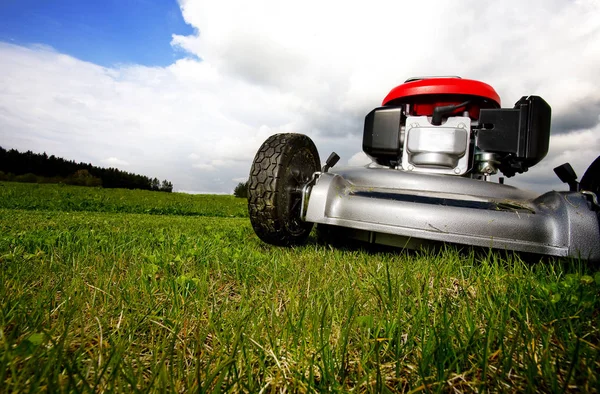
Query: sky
pixel 188 90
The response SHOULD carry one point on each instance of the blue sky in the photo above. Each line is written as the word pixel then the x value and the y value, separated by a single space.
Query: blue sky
pixel 104 32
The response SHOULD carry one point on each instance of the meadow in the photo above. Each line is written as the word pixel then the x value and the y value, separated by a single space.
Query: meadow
pixel 115 290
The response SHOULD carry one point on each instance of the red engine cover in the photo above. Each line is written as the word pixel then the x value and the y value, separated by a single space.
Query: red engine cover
pixel 425 94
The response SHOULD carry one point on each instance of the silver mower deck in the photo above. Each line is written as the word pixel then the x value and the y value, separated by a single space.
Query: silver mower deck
pixel 400 208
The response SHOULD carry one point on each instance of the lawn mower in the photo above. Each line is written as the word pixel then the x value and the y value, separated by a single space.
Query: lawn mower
pixel 435 144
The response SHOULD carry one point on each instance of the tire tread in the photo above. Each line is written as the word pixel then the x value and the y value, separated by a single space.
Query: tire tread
pixel 265 173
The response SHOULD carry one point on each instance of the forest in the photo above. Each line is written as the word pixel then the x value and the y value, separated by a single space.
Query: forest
pixel 33 167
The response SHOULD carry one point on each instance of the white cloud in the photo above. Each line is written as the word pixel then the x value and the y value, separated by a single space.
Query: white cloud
pixel 113 161
pixel 359 159
pixel 204 166
pixel 311 67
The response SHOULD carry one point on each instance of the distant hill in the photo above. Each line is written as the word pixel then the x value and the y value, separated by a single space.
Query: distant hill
pixel 41 168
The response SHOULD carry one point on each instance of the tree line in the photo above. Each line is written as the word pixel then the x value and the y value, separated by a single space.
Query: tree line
pixel 241 190
pixel 41 168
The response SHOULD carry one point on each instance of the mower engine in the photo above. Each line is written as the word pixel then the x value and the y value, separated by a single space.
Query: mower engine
pixel 434 143
pixel 455 126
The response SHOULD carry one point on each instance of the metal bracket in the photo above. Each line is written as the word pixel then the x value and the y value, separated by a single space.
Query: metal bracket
pixel 592 198
pixel 306 192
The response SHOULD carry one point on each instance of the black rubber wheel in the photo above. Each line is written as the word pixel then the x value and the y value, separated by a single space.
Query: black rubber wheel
pixel 591 178
pixel 282 165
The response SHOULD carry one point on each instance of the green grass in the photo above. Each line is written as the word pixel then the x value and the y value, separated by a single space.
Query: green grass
pixel 103 301
pixel 61 197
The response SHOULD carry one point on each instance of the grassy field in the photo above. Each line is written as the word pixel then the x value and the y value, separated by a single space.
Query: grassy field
pixel 112 290
pixel 61 197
